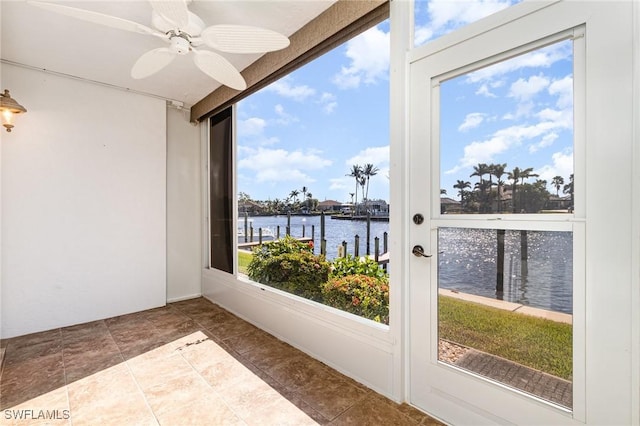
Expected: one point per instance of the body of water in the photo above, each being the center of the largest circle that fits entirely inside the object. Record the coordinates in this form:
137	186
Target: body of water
467	260
336	231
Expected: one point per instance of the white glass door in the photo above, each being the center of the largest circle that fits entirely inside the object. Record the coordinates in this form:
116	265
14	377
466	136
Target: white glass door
496	280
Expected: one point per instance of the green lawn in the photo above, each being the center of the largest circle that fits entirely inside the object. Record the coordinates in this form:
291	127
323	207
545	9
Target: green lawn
244	258
538	343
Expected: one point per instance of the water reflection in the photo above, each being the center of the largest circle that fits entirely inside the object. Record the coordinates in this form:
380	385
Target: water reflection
537	269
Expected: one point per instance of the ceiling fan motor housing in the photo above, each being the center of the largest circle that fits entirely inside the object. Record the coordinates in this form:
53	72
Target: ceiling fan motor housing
193	28
180	45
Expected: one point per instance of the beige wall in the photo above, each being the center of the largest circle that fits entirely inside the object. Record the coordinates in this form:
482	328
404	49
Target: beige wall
184	222
83	203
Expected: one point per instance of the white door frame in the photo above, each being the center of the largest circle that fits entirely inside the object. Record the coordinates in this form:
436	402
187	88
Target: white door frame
603	322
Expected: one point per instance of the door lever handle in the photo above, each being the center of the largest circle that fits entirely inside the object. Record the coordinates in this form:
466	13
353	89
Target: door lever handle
418	251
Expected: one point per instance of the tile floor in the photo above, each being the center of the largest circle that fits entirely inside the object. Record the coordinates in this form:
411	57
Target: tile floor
190	362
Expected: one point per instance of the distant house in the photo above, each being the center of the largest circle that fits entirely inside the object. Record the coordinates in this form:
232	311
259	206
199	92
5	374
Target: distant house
330	206
558	203
449	205
250	207
378	207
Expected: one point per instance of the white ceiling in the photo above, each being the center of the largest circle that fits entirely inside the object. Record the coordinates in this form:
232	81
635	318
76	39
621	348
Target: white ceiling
39	38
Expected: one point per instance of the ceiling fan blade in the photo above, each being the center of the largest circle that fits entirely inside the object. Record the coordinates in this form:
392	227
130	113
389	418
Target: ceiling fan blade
243	39
97	18
218	68
174	11
152	62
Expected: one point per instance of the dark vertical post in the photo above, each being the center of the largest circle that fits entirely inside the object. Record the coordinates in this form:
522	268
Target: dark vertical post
500	264
251	233
246	229
368	233
303	230
385	242
356	246
344	249
288	223
323	246
260	235
322	226
376	244
524	254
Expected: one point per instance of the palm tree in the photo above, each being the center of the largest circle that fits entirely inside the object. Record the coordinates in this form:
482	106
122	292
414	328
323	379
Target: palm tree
461	185
356	172
480	170
515	176
363	181
369	171
526	174
498	170
557	181
304	192
293	195
483	186
568	188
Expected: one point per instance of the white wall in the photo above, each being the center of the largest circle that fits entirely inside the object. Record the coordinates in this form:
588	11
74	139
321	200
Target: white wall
83	203
184	221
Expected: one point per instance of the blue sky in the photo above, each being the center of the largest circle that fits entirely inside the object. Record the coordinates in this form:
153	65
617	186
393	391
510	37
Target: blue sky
310	127
518	112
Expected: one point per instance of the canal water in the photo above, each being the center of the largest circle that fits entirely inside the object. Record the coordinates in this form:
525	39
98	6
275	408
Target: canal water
467	258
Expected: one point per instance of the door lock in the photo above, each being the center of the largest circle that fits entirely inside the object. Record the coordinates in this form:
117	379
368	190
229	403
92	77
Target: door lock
418	251
418	219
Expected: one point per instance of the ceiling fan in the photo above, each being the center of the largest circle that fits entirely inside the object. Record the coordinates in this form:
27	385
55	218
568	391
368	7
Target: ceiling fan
185	32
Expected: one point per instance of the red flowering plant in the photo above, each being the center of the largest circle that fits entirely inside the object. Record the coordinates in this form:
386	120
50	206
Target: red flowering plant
359	294
359	286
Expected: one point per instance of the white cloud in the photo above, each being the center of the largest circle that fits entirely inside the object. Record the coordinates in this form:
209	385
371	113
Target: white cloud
378	156
484	91
472	121
562	165
251	126
341	183
284	118
547	140
328	101
447	13
422	34
563	88
279	165
369	60
541	58
563	119
285	88
523	89
485	151
443	16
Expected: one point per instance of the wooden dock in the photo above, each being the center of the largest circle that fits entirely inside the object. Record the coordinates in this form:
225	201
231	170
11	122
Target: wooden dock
249	245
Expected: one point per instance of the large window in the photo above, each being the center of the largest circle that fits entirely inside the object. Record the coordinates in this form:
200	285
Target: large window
313	166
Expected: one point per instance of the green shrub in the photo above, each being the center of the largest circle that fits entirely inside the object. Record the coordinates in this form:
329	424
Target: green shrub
359	294
290	265
349	265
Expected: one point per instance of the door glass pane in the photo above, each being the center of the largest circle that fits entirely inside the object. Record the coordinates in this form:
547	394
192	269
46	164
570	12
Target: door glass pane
505	307
506	136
